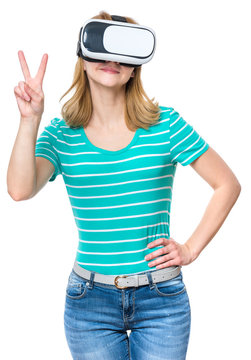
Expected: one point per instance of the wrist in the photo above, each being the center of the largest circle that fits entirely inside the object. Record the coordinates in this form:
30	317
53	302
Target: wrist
31	118
30	122
192	251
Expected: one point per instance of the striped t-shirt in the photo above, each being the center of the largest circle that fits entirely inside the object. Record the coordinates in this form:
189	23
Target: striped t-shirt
121	200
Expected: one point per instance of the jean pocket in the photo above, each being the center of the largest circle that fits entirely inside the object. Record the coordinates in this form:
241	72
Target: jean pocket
172	287
76	287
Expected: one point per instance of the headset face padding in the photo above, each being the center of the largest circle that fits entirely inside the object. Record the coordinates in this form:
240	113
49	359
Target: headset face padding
103	61
108	40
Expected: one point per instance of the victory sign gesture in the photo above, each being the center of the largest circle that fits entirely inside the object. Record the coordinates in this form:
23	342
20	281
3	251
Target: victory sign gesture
29	93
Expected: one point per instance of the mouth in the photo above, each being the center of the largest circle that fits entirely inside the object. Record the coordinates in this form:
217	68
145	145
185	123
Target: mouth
110	70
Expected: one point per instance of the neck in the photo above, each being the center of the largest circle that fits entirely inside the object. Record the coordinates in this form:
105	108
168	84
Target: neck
108	107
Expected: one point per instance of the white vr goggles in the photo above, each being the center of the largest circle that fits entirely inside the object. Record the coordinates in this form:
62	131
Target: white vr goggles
116	40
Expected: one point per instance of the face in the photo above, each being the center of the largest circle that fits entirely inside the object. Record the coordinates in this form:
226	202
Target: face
109	73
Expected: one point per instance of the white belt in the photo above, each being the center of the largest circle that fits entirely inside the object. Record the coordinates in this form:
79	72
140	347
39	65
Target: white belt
125	281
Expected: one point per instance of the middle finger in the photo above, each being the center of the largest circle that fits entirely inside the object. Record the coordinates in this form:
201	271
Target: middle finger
42	68
166	249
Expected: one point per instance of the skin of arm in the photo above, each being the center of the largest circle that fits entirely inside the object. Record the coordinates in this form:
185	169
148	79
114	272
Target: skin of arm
212	168
21	174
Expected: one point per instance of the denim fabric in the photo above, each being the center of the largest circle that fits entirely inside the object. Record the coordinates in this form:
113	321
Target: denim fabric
97	317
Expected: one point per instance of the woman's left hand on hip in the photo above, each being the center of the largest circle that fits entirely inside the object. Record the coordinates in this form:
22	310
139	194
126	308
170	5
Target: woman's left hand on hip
171	254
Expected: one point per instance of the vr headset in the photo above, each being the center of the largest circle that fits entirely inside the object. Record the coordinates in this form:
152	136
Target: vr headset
116	40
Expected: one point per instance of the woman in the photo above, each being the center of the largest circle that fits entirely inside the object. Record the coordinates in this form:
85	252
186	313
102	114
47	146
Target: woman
117	152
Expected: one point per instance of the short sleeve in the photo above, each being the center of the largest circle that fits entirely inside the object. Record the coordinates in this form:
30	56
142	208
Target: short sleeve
186	144
45	146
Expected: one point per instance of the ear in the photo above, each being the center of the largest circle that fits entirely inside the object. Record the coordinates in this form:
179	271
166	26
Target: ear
132	74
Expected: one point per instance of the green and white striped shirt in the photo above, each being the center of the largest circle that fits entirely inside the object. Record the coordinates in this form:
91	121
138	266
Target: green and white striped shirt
121	200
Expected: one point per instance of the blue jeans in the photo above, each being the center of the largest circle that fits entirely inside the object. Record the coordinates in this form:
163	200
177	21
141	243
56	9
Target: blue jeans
97	317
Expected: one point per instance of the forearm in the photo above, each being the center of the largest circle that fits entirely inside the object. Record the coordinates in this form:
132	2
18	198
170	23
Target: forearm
214	216
21	174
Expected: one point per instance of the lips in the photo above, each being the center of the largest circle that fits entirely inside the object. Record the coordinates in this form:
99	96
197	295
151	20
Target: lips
110	70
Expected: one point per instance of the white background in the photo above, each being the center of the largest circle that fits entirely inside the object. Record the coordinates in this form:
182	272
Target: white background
201	68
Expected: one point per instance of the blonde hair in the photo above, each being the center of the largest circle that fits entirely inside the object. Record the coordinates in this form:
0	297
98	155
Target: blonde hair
140	111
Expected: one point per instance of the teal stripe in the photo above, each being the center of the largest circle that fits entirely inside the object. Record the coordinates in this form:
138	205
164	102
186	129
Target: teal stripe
121	200
186	143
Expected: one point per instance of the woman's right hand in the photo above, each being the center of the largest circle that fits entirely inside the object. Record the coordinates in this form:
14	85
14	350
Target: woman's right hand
29	93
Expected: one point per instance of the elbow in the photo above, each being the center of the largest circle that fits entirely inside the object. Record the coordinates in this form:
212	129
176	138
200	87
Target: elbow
232	184
19	193
238	189
231	188
234	188
17	196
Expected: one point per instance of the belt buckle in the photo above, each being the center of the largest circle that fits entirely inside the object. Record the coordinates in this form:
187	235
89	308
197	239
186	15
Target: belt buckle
116	282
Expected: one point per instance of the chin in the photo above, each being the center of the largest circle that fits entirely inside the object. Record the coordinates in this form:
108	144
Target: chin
107	81
110	84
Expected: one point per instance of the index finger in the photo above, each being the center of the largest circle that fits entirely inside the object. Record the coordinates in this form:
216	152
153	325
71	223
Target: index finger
42	68
24	65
